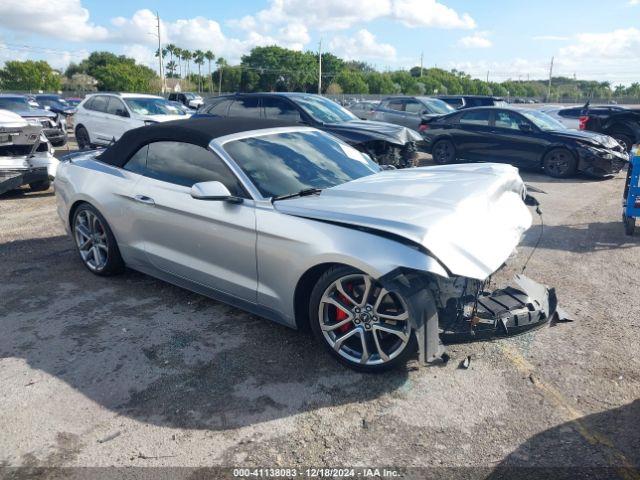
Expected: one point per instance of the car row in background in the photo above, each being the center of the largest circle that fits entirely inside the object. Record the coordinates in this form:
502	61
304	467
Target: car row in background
386	143
103	118
53	124
409	111
522	137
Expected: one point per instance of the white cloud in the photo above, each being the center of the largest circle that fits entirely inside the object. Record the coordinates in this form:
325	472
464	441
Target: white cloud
362	45
634	2
331	15
550	38
477	40
430	13
621	44
65	19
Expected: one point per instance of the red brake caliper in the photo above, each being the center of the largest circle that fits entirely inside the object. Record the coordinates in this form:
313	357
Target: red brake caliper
341	315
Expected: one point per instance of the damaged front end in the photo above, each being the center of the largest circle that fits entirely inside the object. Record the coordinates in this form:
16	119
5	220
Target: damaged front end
451	310
25	156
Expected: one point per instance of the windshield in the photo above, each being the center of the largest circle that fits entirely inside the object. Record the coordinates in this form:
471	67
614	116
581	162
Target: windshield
542	120
285	163
15	104
323	110
438	106
151	106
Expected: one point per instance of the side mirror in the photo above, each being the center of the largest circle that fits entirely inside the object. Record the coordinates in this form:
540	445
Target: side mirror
213	190
122	113
525	127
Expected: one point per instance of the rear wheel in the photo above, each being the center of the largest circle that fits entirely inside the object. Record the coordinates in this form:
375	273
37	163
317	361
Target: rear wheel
623	140
40	186
443	152
95	242
82	137
559	163
359	322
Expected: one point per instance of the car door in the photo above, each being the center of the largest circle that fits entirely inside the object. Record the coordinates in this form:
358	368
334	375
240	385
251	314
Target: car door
245	107
92	117
472	136
413	113
274	108
517	140
391	111
100	120
211	243
117	118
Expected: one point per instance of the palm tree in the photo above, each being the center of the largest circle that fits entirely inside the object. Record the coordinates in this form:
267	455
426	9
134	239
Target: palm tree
171	68
198	59
178	53
221	63
187	56
209	56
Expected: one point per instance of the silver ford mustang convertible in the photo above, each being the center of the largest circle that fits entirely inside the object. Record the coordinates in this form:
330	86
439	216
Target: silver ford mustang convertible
292	224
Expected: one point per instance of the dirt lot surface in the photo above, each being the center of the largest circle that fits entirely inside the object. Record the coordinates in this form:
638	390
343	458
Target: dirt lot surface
131	371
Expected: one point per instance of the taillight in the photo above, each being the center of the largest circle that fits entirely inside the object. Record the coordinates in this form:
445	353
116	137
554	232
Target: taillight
423	127
583	122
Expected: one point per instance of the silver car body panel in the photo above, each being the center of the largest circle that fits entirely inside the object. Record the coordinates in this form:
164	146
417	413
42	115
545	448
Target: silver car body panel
462	220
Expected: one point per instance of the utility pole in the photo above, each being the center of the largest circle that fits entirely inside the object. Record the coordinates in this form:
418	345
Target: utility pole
162	85
487	76
421	59
550	75
320	67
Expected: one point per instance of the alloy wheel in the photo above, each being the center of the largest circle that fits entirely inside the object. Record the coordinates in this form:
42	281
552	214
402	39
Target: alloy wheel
363	322
443	152
558	163
91	239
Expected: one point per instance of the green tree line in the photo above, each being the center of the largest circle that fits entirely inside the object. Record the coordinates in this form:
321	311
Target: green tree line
275	68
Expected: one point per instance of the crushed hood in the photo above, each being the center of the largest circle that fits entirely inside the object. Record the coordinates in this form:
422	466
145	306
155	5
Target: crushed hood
389	132
586	136
470	217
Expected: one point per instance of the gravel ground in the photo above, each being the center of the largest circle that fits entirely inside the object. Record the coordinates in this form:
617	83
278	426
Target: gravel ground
131	371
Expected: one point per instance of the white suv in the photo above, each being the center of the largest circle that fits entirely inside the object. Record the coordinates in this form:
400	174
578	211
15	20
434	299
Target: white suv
103	117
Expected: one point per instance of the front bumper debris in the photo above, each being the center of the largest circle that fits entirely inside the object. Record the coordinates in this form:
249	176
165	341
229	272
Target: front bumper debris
503	312
600	165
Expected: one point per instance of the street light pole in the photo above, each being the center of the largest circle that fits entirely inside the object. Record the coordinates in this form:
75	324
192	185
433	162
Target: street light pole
162	85
320	67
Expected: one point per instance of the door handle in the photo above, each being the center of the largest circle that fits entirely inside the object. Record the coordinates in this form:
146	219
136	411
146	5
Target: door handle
144	199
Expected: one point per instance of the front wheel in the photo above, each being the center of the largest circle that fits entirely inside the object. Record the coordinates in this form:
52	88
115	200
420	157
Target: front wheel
443	152
95	242
82	137
559	163
359	322
629	224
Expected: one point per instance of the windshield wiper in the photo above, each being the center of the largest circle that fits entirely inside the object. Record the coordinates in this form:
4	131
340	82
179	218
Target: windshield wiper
302	193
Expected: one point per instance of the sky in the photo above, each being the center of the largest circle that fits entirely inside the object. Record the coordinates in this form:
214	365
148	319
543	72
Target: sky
501	39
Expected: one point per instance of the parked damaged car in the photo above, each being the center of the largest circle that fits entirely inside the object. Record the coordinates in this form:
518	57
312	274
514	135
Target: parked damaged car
53	125
385	143
26	157
295	225
522	137
620	123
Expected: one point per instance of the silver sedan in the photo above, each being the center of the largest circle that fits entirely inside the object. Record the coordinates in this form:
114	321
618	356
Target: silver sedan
294	225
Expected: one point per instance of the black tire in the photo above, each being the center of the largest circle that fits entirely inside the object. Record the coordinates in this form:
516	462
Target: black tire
41	186
629	225
82	137
113	264
333	274
443	152
624	140
559	163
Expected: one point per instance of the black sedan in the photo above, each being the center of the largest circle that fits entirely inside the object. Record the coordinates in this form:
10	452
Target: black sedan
386	143
521	137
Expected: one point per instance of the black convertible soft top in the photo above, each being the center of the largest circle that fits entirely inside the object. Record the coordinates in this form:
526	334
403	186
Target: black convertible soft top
198	131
